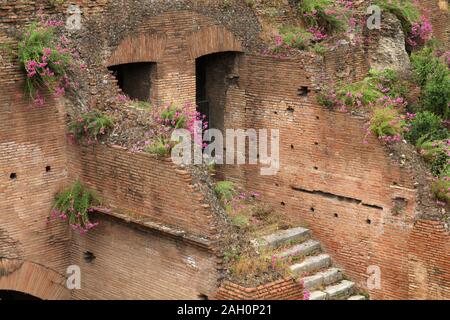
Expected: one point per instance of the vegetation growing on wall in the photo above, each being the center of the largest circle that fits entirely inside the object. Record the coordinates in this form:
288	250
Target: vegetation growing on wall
46	59
396	114
90	126
74	204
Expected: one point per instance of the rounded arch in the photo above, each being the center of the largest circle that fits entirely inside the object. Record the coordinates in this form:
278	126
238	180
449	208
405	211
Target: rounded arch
139	48
34	280
212	39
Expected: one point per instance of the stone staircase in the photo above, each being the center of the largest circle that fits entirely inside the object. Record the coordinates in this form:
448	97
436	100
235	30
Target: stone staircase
308	264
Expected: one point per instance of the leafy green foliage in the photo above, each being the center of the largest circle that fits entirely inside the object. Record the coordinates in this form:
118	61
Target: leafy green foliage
386	122
440	189
295	37
45	59
90	126
433	76
160	146
225	190
437	153
426	126
316	13
404	10
74	204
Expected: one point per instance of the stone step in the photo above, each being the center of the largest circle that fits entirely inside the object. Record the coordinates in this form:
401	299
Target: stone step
300	250
283	237
321	279
339	291
311	264
357	298
318	295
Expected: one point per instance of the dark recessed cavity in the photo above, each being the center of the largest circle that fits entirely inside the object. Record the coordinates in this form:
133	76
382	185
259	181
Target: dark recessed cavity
336	215
368	221
48	169
13	176
303	91
89	257
312	209
283	204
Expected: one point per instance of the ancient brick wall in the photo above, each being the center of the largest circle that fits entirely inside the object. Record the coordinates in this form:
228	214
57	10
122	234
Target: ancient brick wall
360	203
283	289
32	169
133	262
143	185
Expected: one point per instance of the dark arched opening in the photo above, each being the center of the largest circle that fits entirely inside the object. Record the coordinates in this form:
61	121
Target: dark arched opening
135	79
7	295
215	73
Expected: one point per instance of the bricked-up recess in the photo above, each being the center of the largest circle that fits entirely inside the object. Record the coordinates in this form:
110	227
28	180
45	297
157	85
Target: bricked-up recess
159	238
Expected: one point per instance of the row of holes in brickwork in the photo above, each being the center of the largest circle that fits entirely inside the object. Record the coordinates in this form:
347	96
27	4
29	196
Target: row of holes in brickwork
13	176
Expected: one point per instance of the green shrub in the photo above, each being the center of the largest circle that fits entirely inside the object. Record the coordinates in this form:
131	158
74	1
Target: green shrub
440	189
426	125
294	37
435	95
74	204
386	124
437	154
433	76
424	62
314	13
241	221
45	60
404	10
90	126
160	146
225	190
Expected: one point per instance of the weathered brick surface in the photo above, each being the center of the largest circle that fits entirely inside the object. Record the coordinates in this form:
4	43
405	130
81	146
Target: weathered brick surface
31	139
284	289
344	189
133	262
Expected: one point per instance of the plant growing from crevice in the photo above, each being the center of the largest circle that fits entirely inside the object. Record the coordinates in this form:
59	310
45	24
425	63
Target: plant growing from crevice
46	59
167	119
426	126
386	124
90	126
74	204
322	15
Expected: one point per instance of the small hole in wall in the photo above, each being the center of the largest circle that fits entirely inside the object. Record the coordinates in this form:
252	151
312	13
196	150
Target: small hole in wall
290	109
277	184
317	117
292	147
316	143
303	91
13	176
368	221
89	257
283	204
336	215
275	112
203	297
316	168
312	209
48	169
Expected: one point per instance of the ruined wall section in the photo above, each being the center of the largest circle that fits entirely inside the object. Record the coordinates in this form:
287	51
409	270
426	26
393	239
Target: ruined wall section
134	262
359	201
33	167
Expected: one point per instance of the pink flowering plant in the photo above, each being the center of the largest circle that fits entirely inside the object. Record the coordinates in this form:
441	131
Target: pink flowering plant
90	126
45	58
324	15
168	118
74	204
